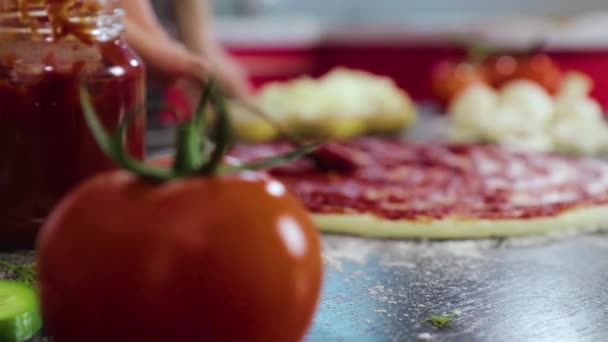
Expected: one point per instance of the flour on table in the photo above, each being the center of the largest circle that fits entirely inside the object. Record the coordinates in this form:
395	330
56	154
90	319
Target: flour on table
424	337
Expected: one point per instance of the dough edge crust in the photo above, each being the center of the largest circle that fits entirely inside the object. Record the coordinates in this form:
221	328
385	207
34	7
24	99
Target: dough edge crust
591	218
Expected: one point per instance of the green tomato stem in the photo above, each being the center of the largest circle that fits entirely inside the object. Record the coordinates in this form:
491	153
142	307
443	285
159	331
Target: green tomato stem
189	156
269	163
222	135
191	145
192	158
113	146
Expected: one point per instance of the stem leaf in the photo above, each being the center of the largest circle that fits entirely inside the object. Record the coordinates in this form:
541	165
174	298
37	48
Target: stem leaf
113	145
269	163
222	133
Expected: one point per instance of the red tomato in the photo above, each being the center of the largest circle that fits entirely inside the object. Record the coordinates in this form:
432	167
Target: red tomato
450	78
538	68
541	69
501	70
201	259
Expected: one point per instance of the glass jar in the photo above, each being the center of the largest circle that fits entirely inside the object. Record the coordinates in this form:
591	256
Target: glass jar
46	47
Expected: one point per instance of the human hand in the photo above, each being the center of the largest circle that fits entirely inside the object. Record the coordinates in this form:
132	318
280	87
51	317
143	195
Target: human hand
184	66
166	59
229	73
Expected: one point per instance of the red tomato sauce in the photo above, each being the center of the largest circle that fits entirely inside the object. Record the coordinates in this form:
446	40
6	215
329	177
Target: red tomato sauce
46	147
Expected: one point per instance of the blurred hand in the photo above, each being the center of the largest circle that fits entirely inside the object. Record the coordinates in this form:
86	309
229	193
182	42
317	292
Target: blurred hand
171	61
166	59
231	75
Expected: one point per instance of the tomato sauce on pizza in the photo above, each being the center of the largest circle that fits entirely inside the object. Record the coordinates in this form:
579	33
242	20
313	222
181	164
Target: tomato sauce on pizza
397	180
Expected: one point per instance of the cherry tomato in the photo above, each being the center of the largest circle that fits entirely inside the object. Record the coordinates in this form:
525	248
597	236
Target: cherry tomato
539	68
501	70
200	259
450	78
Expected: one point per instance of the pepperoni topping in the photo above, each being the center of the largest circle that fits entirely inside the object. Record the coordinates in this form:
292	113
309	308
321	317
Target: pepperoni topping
398	180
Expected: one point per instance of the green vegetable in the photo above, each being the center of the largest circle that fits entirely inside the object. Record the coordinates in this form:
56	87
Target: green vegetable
19	314
23	273
439	322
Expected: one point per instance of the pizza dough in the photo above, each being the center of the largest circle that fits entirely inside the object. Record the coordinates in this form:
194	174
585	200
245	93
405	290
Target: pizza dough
392	189
583	219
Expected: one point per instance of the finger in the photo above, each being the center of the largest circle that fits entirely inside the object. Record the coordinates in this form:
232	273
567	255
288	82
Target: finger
165	56
234	82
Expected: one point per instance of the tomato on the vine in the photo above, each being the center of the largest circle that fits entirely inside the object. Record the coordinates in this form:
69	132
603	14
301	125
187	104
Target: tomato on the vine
541	69
450	78
501	69
199	252
538	68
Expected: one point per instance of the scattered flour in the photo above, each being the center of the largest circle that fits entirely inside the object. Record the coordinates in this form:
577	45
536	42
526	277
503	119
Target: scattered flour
538	240
338	250
400	254
424	337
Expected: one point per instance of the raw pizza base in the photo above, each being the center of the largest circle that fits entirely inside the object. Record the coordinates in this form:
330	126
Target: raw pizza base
393	189
580	219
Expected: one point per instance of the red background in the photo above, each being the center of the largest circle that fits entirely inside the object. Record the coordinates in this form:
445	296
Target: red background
409	65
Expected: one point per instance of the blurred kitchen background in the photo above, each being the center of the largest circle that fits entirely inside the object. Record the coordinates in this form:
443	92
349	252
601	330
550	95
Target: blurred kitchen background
406	40
369	10
280	39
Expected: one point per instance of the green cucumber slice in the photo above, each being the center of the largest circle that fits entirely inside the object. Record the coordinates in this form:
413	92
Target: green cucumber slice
19	313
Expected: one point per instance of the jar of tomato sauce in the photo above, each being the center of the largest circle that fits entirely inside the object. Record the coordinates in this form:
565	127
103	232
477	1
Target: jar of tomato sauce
47	47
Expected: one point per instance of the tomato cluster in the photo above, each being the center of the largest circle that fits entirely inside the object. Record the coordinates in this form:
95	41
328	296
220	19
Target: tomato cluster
450	77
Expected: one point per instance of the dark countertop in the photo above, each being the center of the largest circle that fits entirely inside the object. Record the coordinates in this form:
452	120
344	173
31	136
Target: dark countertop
520	289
